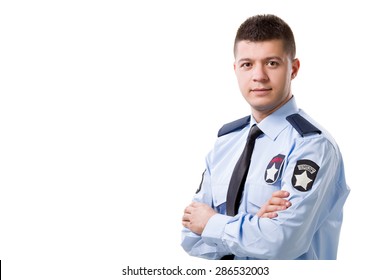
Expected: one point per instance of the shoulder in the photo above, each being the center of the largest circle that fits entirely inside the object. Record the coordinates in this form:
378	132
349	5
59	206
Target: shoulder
302	125
234	126
308	129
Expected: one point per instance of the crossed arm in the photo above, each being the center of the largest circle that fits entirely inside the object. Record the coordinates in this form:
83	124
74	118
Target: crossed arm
197	214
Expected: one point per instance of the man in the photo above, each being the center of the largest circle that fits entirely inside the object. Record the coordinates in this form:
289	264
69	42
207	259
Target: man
288	204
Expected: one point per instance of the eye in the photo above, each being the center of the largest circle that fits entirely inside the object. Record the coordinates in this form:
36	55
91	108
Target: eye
246	65
273	63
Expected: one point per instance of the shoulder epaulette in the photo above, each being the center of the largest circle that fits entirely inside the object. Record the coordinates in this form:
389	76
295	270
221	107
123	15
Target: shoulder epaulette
303	126
233	126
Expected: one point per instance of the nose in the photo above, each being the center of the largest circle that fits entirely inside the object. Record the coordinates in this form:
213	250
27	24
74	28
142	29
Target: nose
259	74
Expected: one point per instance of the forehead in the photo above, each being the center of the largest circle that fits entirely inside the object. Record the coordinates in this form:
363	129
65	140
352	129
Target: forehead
259	50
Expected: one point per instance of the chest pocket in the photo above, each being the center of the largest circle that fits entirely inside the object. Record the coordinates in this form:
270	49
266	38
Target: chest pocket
219	198
257	195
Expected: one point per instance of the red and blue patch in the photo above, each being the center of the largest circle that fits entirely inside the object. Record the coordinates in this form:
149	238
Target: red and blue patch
274	168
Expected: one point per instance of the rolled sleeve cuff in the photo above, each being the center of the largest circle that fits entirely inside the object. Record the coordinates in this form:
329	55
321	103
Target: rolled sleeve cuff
214	230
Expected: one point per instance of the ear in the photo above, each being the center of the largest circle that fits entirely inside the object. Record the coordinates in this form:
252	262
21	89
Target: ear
234	66
295	68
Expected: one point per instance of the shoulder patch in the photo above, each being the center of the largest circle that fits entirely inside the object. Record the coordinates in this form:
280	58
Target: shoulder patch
233	126
303	126
305	172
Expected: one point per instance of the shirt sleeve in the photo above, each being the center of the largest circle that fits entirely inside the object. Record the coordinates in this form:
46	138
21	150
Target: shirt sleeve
314	176
193	243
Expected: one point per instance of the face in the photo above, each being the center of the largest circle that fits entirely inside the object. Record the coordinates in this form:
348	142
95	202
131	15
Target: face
264	73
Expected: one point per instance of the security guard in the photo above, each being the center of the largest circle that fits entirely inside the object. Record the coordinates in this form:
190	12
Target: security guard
291	152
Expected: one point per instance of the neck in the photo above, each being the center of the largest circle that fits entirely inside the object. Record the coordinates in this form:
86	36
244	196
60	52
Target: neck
261	115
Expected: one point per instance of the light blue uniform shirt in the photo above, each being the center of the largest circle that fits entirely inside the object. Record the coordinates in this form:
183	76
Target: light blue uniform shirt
309	167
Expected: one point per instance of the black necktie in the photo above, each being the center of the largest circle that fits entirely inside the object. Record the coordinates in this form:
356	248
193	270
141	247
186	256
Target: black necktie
237	182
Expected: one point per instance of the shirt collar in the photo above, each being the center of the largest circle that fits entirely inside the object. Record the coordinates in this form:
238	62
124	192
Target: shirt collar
273	124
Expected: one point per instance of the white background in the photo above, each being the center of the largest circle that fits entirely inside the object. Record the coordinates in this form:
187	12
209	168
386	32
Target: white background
108	108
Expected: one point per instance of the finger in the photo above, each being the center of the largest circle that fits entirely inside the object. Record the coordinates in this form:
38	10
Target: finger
261	212
279	201
188	209
273	208
281	194
186	218
269	215
266	209
185	224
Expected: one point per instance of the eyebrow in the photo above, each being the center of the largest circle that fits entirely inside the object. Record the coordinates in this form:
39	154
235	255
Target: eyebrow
266	58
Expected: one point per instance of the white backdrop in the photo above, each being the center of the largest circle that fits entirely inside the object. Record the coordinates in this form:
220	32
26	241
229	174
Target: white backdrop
108	108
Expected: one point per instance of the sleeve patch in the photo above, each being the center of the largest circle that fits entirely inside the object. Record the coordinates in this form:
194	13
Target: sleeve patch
305	173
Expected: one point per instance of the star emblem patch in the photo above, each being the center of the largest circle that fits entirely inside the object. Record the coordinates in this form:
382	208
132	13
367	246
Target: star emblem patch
305	172
273	169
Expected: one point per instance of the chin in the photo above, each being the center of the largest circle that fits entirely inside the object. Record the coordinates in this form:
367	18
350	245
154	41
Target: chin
263	107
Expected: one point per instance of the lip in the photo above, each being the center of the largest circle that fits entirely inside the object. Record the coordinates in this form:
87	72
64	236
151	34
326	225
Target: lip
261	91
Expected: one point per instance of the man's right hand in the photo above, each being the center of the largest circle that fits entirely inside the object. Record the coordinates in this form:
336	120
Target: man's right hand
276	203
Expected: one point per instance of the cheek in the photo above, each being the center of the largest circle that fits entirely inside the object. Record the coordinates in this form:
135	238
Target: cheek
242	80
243	88
282	80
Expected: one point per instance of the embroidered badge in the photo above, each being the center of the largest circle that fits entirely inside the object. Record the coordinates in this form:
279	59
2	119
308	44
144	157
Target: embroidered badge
274	168
305	172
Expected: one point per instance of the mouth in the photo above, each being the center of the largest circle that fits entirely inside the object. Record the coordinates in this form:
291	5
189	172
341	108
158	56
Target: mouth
261	91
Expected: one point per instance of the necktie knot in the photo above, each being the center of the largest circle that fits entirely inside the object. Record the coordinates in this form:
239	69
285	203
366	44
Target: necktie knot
254	133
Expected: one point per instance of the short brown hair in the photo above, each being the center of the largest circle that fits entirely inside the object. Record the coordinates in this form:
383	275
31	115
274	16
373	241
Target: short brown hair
264	28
